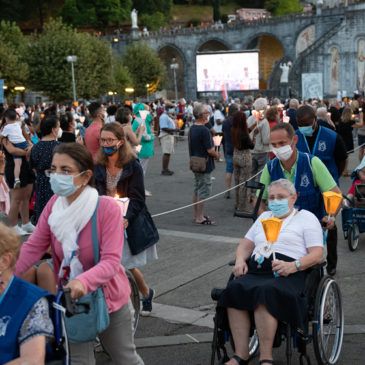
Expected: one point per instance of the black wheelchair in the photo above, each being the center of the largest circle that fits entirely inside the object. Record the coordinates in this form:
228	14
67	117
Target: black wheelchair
325	324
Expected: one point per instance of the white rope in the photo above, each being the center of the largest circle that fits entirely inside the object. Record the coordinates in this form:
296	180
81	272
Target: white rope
204	200
356	148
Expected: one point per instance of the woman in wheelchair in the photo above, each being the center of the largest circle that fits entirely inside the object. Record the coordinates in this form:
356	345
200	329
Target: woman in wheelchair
24	314
268	290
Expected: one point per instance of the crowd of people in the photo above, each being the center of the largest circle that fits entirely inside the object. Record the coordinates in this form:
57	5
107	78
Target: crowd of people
70	163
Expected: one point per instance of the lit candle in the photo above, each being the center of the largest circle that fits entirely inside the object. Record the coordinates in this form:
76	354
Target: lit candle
217	140
123	203
138	148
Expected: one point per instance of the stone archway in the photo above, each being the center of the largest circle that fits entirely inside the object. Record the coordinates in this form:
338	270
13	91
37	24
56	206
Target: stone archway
171	56
270	51
213	45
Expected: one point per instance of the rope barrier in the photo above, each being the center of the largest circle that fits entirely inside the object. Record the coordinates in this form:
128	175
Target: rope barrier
225	191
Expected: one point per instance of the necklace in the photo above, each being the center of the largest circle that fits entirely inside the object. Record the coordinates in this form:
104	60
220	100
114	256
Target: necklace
112	178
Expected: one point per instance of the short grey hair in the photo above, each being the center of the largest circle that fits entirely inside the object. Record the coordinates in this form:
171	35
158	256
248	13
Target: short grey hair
233	108
260	104
284	183
293	104
198	110
322	113
276	101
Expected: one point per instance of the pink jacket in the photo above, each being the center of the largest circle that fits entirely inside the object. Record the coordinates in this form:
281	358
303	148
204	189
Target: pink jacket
4	198
108	272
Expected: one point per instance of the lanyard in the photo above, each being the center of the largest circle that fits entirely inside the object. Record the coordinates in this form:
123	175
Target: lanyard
6	289
315	143
287	220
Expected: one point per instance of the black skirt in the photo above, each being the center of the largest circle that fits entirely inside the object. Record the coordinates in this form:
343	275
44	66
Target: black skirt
282	296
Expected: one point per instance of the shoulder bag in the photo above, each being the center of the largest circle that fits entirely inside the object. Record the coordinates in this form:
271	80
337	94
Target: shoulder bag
197	164
86	326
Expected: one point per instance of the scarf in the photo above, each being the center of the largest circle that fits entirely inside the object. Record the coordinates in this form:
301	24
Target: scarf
66	222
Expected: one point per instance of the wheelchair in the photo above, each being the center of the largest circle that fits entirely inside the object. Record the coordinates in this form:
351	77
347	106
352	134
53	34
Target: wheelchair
325	324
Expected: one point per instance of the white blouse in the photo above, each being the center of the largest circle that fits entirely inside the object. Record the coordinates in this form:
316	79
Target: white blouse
303	231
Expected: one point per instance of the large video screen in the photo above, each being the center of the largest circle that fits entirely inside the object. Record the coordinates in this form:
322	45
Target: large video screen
227	71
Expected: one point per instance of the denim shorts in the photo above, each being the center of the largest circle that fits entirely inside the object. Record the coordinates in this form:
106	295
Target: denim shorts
202	185
21	145
229	163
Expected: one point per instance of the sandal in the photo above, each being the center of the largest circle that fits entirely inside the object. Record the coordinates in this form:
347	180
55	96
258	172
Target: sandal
266	361
239	360
206	222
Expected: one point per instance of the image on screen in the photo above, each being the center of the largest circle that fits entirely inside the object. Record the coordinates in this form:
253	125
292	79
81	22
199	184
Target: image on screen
227	71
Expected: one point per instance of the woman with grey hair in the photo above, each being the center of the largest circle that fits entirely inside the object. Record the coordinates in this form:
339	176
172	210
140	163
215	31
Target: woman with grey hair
271	289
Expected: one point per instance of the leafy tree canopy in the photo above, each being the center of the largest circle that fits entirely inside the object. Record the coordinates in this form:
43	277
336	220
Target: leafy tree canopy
153	6
51	73
153	21
95	13
282	7
145	67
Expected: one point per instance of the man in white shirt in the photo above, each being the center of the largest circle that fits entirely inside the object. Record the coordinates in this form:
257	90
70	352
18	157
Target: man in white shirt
218	123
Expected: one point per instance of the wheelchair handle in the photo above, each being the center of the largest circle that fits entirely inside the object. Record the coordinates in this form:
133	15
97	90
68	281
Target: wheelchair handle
73	307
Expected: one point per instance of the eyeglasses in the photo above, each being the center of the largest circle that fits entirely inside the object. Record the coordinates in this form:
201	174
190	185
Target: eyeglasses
108	140
51	172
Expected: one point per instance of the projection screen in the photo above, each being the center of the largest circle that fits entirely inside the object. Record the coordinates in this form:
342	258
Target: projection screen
227	70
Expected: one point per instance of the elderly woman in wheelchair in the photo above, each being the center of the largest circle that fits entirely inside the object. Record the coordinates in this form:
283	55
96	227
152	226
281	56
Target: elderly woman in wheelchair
269	290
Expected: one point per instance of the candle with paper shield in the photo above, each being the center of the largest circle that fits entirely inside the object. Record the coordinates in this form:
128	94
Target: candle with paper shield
272	228
286	119
143	114
332	201
123	203
138	148
180	123
217	140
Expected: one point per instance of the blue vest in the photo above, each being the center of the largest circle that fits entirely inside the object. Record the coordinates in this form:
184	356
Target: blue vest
309	196
324	148
18	301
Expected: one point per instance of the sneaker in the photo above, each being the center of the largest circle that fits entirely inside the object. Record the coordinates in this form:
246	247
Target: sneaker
19	231
29	228
167	172
147	303
16	184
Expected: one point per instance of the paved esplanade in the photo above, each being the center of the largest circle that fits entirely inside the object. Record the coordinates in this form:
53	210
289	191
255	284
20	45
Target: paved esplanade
193	259
310	41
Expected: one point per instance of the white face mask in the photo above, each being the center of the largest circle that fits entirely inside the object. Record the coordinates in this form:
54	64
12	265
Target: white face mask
59	133
283	153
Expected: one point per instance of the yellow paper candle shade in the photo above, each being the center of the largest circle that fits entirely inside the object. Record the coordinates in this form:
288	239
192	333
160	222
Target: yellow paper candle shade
180	123
332	201
271	228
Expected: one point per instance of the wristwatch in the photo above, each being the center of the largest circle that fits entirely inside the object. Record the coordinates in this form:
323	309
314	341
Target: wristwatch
298	265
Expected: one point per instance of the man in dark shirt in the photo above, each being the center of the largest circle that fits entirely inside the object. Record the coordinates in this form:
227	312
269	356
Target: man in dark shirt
291	112
201	145
228	146
331	149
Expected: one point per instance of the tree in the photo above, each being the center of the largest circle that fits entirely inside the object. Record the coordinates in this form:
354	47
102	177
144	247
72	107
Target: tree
121	78
13	68
95	13
144	66
152	6
51	73
153	21
282	7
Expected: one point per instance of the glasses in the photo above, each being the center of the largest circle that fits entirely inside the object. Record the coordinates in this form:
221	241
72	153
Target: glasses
51	172
108	140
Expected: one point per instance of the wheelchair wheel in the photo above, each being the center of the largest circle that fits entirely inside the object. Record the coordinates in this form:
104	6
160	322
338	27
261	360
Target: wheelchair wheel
328	322
135	298
253	345
353	235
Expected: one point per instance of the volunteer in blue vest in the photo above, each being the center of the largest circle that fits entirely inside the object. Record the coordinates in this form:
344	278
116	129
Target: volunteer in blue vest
330	148
308	173
24	313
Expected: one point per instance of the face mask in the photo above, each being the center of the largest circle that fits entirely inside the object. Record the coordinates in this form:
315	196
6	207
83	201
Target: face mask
247	112
279	207
63	185
59	133
307	131
111	150
283	153
171	111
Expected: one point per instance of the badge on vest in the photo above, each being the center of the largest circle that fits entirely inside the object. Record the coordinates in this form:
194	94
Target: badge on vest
4	321
322	146
304	181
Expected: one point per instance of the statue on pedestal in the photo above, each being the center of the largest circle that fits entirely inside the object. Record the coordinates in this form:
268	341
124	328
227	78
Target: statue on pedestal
134	14
285	67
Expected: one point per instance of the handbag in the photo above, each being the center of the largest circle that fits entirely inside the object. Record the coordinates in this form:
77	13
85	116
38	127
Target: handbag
86	326
197	163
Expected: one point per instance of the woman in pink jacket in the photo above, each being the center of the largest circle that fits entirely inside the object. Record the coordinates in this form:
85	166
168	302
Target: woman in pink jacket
65	224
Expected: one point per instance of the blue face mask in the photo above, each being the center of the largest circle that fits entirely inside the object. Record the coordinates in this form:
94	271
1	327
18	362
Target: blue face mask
307	131
109	151
279	207
247	112
63	185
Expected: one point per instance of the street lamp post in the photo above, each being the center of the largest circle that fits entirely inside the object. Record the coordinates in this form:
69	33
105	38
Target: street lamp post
174	66
72	60
147	86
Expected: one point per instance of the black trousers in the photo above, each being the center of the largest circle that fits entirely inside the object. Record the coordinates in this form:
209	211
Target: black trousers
332	248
